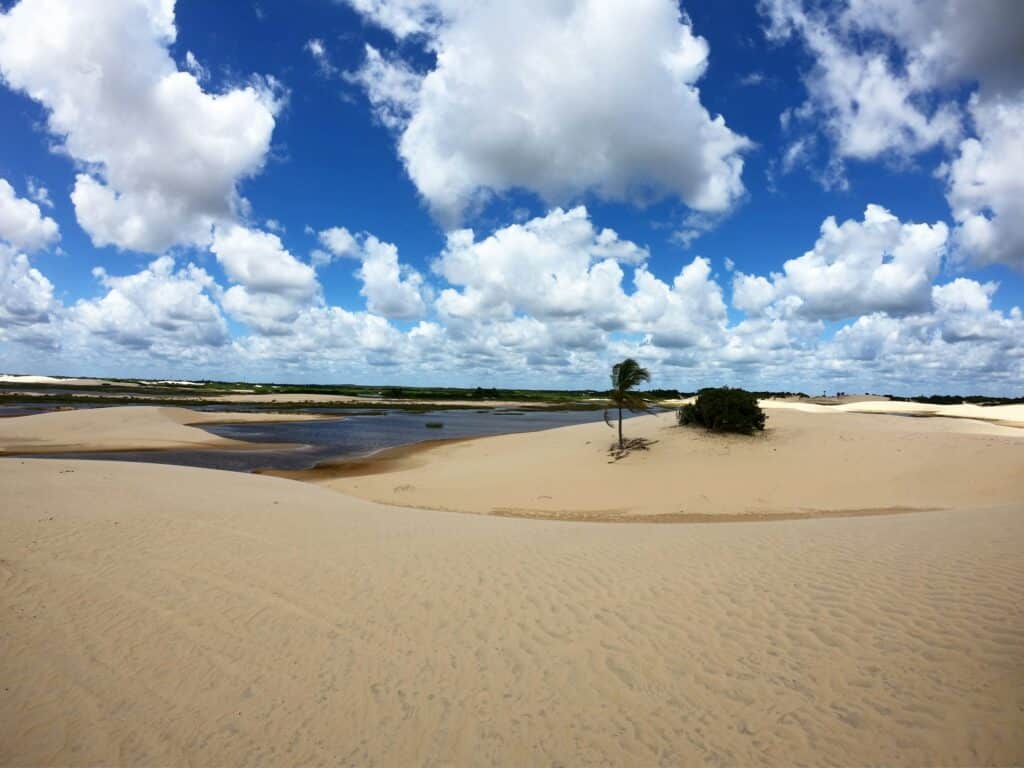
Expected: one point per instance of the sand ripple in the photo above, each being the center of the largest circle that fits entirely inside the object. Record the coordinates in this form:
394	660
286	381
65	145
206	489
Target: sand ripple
207	618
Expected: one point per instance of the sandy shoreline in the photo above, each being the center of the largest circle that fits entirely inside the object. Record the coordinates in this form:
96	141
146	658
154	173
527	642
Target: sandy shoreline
812	461
131	428
169	615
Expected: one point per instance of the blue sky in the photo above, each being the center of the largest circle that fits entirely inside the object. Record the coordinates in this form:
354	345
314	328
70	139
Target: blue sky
277	190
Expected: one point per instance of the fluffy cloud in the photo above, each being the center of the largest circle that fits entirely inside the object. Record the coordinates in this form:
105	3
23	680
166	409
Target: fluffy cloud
28	309
259	261
27	305
986	184
391	289
869	108
490	327
964	344
556	266
339	243
551	293
689	313
271	286
22	224
884	80
163	157
556	98
965	310
329	338
392	87
948	41
164	311
879	264
405	17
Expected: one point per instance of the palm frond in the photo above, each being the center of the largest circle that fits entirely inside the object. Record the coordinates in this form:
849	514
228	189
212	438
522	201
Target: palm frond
628	374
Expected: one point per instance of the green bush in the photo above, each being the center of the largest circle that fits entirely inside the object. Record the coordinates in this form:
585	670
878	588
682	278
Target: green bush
723	409
688	415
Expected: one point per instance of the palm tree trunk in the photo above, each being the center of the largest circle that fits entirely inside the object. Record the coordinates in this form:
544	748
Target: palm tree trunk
620	428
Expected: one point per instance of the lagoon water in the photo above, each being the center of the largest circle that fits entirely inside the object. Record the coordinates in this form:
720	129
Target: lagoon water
355	433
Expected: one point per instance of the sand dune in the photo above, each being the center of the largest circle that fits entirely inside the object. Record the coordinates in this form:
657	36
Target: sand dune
164	615
19	379
826	462
1012	415
125	428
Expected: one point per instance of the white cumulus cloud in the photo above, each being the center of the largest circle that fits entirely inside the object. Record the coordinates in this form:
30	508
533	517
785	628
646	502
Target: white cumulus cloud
556	266
556	98
27	304
879	264
161	310
162	158
22	224
986	183
391	289
869	106
271	285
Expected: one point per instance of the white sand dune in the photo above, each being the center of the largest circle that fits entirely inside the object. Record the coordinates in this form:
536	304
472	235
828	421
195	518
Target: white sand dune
154	615
7	378
125	428
1000	414
825	462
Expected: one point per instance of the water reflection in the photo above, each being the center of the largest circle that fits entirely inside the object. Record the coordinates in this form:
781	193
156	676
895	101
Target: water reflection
360	432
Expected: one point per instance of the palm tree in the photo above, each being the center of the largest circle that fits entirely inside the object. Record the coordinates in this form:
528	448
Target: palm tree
625	376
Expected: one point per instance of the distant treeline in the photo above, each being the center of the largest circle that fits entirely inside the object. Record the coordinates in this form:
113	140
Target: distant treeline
130	387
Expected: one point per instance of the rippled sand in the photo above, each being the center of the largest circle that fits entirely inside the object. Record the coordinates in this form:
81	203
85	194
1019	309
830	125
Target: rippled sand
165	615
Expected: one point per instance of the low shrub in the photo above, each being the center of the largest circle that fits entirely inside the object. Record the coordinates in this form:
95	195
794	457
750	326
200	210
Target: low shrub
723	409
688	415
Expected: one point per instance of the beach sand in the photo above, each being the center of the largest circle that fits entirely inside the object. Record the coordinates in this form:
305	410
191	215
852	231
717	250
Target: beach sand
158	615
127	428
1009	415
805	464
168	615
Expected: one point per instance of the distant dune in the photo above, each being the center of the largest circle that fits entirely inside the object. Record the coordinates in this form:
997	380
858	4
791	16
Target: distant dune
1012	415
7	378
824	462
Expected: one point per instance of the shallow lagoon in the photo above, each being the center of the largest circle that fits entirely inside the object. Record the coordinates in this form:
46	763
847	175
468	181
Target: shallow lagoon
355	433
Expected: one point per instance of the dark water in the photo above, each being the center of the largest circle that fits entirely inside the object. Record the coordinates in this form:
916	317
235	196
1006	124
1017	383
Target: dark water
356	434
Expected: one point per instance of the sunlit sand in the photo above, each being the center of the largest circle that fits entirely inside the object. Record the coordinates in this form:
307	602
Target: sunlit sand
169	615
